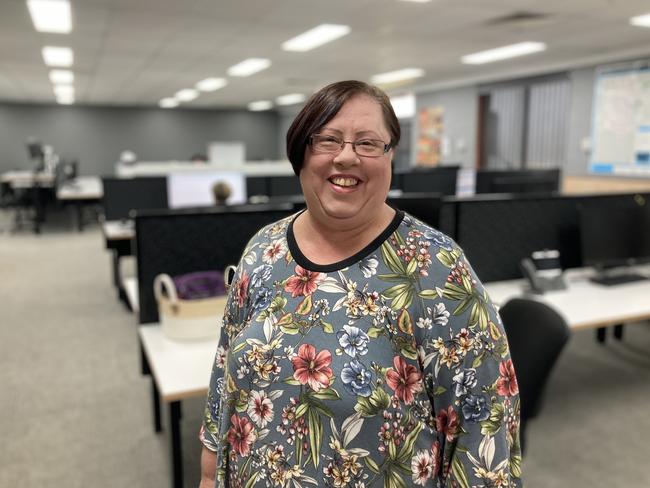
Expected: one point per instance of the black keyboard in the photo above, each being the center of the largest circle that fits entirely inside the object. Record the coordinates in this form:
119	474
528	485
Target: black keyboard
621	279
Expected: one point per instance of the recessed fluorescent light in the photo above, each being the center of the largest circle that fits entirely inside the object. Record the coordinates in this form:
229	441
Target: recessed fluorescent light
505	52
260	105
186	95
404	106
211	84
65	99
315	37
249	66
63	90
51	15
290	99
62	57
641	20
417	1
168	103
399	75
61	76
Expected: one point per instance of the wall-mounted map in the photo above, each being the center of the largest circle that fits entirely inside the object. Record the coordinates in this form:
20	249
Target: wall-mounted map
621	122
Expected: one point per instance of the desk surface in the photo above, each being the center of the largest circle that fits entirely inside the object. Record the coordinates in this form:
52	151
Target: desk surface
130	286
117	230
585	304
81	188
26	179
181	369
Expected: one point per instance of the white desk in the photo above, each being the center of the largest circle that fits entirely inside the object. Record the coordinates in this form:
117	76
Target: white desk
179	370
118	230
130	286
81	188
118	236
84	190
28	179
584	304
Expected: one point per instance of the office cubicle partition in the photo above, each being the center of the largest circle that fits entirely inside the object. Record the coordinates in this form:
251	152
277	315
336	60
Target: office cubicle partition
440	179
423	206
123	195
518	181
183	241
497	232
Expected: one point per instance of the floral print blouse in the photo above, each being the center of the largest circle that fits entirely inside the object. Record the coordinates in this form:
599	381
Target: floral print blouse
390	368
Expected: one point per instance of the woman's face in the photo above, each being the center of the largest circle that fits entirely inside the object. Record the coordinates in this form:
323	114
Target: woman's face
344	185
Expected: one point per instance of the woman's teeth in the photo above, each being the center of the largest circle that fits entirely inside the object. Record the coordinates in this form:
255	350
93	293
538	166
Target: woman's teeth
340	181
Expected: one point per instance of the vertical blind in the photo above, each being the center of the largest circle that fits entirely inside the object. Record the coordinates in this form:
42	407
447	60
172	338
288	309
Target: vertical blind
527	125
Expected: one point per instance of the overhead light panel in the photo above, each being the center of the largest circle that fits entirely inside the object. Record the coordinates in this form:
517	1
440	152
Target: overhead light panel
211	84
61	77
61	57
63	90
260	105
51	15
641	20
249	67
395	76
65	99
417	1
403	106
290	99
168	103
505	52
316	37
186	95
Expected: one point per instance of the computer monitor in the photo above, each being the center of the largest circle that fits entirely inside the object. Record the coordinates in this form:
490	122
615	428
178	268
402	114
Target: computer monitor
124	195
441	179
194	189
422	206
518	181
615	235
284	185
35	150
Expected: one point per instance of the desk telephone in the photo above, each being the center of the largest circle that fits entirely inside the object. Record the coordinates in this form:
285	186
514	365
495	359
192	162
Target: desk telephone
543	271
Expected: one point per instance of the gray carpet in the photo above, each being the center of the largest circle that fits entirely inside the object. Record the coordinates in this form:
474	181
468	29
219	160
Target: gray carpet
76	411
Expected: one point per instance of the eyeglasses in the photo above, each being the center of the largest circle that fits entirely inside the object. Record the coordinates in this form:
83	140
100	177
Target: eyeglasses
369	148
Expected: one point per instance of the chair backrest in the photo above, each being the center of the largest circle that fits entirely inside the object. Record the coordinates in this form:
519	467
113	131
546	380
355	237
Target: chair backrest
536	335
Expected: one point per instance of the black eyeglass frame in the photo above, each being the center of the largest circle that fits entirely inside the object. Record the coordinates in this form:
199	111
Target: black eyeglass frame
387	147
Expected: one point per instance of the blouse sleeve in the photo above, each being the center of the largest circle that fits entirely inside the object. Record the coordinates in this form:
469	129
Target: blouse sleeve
471	382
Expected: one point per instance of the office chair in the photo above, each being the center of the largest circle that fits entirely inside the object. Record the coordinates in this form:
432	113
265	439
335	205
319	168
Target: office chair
536	335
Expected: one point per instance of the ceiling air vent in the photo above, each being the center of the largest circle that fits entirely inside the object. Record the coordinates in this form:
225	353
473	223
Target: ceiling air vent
522	17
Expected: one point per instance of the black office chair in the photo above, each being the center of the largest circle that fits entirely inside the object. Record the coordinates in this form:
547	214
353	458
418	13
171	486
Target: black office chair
536	335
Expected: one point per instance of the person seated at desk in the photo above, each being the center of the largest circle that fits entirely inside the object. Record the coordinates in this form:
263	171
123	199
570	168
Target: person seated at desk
358	346
221	191
199	158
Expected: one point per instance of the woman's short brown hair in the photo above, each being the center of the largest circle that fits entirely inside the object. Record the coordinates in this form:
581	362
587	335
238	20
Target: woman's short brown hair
323	106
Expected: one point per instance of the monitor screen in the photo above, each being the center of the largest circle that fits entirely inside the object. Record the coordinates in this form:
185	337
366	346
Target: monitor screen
122	195
284	185
518	181
194	189
441	179
614	235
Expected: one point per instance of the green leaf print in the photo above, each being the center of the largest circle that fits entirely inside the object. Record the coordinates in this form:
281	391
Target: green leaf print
396	290
391	259
429	294
447	258
398	278
315	436
459	473
372	465
406	450
454	292
376	403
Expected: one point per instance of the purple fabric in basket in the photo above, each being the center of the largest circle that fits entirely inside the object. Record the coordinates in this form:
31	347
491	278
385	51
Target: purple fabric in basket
201	284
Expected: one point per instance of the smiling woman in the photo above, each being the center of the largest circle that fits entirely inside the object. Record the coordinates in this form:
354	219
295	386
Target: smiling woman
358	346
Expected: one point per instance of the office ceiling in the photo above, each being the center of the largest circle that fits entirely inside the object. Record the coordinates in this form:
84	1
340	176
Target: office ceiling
136	52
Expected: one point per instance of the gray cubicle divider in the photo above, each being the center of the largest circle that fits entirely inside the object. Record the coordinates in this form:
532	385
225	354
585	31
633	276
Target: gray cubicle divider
439	179
123	195
183	241
497	232
423	206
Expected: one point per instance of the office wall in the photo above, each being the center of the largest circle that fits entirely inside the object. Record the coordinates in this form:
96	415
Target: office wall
97	135
459	119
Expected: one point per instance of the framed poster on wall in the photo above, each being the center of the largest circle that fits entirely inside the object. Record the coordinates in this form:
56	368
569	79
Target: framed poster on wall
429	141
